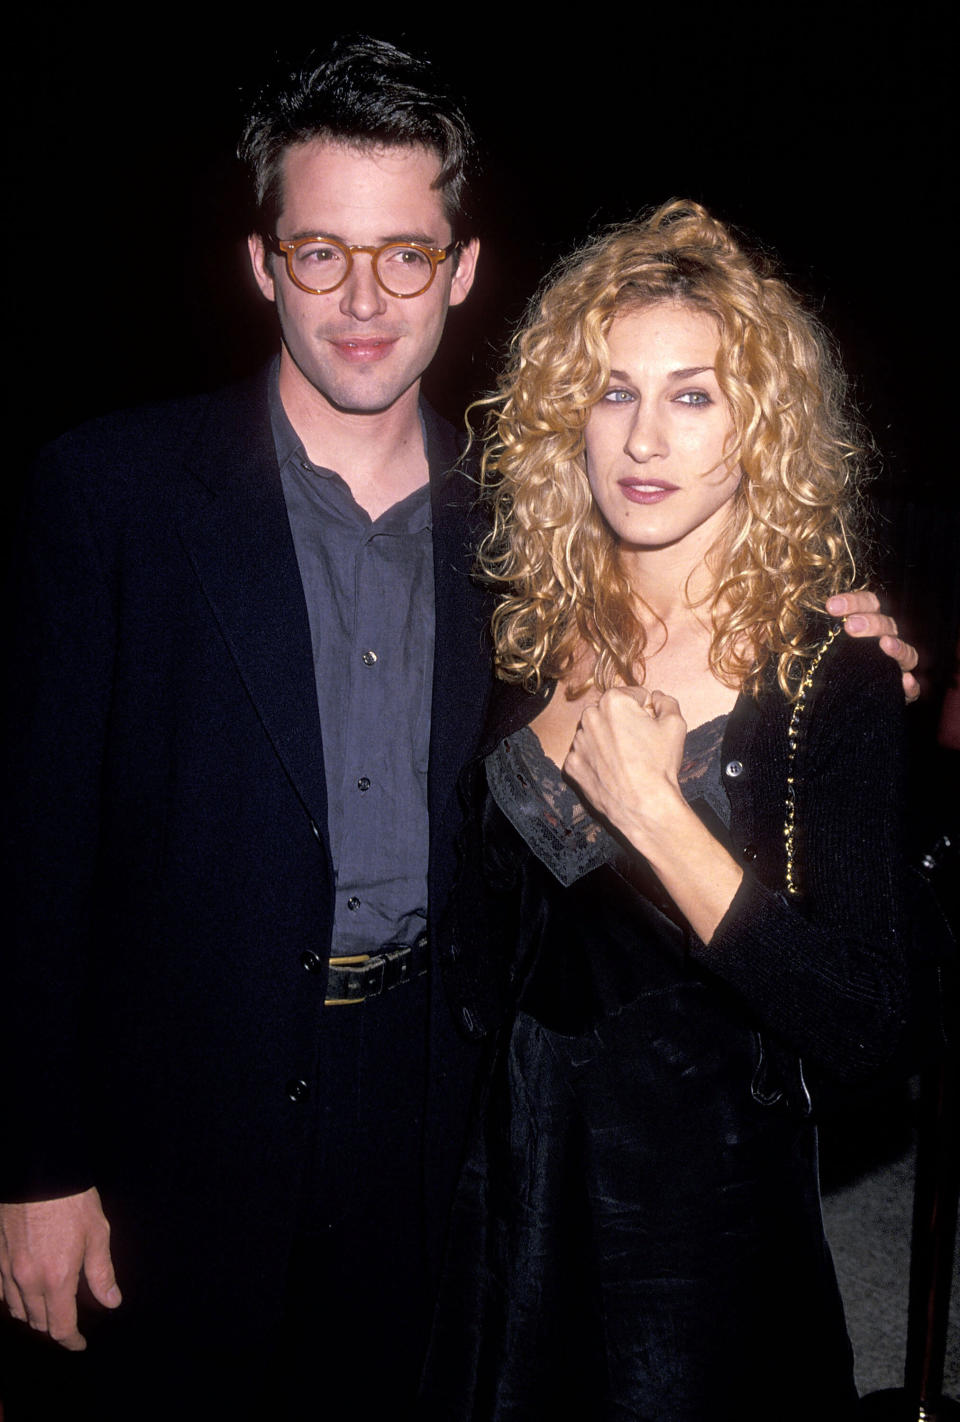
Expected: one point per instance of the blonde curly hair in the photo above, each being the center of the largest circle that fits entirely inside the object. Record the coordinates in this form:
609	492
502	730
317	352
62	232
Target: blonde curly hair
788	544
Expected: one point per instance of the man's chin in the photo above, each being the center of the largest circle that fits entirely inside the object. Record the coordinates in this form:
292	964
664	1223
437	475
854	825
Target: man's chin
363	394
371	404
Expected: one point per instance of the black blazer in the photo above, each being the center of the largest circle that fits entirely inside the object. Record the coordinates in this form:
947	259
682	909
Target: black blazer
166	849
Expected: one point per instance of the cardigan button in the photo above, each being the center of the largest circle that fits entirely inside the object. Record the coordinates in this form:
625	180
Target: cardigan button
733	768
298	1090
311	961
749	852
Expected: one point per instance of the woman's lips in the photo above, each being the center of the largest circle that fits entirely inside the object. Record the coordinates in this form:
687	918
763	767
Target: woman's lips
647	491
363	349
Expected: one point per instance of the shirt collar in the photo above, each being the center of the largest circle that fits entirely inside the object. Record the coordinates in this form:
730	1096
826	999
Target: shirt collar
285	438
411	513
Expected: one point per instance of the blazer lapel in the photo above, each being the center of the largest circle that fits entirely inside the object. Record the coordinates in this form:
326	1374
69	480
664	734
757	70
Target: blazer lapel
240	544
462	663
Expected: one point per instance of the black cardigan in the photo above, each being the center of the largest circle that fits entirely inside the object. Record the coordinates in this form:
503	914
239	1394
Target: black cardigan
826	973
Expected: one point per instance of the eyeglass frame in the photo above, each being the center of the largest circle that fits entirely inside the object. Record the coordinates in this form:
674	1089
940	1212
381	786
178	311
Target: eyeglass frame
287	248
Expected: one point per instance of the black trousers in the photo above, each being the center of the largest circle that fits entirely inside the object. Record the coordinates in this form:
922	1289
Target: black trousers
358	1294
350	1344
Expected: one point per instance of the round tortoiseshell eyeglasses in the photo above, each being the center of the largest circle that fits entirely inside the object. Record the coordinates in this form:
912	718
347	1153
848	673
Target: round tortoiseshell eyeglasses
321	264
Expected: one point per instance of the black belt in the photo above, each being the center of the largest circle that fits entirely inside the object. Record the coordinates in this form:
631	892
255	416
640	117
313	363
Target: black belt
351	979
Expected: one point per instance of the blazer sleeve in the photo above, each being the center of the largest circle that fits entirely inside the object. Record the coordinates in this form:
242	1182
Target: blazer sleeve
60	654
827	971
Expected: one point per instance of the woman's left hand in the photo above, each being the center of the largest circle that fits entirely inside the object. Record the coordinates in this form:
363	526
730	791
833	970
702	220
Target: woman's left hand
625	758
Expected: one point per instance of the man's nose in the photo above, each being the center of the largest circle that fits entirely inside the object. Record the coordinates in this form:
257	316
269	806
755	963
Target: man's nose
362	296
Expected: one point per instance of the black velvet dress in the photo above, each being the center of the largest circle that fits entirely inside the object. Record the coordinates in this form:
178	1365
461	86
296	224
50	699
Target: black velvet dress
638	1231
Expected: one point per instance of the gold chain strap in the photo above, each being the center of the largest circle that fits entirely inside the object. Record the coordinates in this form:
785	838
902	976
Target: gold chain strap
793	734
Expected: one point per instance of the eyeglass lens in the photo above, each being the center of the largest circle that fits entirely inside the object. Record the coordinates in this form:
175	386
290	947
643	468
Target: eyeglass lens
403	271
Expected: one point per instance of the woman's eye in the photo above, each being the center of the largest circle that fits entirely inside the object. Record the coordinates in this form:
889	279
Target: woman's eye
618	397
695	398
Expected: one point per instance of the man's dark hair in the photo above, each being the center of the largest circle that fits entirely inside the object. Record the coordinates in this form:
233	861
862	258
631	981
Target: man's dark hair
363	92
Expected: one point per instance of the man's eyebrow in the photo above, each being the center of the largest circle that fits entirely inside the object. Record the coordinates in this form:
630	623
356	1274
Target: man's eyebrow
423	239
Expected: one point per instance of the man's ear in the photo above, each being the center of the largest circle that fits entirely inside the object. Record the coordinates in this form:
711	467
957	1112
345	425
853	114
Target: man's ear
466	271
260	261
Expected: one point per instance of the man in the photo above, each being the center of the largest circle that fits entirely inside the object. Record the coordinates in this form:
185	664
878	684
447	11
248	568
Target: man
235	1092
194	579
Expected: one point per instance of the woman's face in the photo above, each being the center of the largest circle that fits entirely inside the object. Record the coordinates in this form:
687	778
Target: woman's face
655	441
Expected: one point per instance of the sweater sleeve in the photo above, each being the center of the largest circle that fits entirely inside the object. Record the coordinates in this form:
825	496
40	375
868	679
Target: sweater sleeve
825	970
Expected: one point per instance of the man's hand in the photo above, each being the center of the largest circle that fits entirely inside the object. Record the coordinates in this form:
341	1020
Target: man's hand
862	618
44	1247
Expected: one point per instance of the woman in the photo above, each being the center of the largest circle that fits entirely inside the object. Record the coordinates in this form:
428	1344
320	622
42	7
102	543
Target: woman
681	858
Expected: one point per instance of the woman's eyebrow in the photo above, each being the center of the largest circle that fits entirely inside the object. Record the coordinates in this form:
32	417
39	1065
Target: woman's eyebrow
684	374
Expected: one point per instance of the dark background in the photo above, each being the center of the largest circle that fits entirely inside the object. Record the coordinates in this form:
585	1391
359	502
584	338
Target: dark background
819	133
822	133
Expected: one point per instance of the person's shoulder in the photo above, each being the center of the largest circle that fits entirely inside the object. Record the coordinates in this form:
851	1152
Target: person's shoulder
439	429
456	493
853	698
512	707
451	454
857	667
848	679
153	431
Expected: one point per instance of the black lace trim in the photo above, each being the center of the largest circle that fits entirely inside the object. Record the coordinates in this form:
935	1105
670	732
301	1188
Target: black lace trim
549	815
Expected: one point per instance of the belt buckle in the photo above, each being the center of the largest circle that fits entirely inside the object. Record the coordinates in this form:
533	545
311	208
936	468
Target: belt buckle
356	961
376	973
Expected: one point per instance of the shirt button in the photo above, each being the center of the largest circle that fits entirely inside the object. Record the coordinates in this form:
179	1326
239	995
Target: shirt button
369	658
298	1090
363	783
311	961
353	904
733	768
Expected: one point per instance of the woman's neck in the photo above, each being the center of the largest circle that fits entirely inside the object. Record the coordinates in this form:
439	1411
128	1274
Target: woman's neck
675	603
673	589
672	582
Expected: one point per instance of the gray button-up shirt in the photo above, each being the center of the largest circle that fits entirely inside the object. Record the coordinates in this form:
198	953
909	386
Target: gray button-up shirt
370	601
